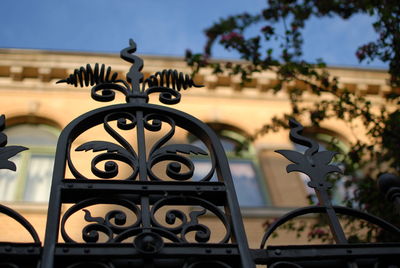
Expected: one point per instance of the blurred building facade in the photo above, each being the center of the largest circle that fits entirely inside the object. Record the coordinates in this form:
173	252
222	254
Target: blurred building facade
37	109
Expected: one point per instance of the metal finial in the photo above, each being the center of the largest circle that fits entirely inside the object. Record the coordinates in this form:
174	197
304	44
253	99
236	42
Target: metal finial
167	82
316	165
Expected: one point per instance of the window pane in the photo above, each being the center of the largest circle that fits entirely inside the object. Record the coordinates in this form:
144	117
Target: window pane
34	170
9	181
244	175
39	178
31	135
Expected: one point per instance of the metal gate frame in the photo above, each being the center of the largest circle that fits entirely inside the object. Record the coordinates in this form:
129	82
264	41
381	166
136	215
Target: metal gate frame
144	192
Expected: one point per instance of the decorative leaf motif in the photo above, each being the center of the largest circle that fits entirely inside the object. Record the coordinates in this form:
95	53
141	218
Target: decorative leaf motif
293	156
98	146
323	158
181	148
9	151
294	167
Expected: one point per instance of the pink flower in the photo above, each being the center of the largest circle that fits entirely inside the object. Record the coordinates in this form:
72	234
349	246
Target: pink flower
231	36
267	29
317	232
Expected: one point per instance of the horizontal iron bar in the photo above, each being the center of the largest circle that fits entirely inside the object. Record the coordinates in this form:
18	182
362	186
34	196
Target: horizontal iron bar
74	190
323	252
129	251
21	249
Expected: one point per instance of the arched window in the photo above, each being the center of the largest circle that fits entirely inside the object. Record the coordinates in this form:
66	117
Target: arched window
247	178
31	182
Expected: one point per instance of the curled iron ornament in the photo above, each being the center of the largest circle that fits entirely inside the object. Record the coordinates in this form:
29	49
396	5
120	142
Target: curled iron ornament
167	83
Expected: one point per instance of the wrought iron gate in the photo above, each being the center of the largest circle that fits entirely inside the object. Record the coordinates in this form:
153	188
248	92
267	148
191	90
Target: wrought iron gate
181	240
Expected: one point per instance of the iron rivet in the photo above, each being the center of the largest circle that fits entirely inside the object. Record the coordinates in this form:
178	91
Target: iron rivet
90	186
144	187
215	188
65	249
70	185
278	252
229	251
87	250
30	249
349	251
198	188
8	248
208	250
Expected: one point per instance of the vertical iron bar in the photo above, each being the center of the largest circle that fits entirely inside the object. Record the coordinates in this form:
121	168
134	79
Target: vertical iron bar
334	224
144	198
143	169
233	210
54	208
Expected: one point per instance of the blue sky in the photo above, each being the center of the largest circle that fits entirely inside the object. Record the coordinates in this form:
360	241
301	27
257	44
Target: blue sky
160	27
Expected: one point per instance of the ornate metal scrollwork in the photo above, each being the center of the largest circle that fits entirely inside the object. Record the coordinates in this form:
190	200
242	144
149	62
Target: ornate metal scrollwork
191	223
123	152
112	224
174	153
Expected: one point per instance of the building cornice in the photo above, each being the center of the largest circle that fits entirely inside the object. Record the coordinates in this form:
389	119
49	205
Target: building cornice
33	68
